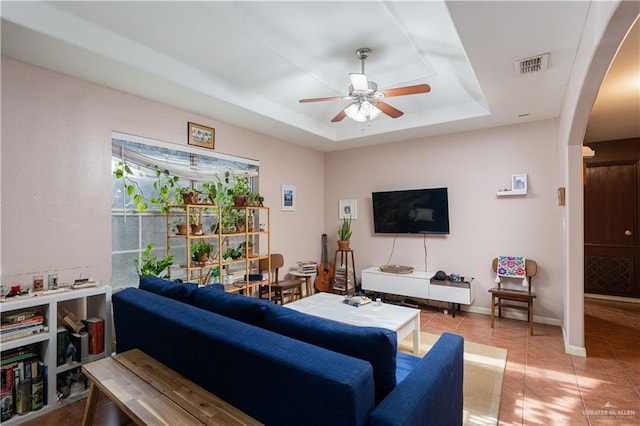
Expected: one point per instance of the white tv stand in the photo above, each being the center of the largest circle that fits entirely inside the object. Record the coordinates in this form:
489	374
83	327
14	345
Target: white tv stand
418	284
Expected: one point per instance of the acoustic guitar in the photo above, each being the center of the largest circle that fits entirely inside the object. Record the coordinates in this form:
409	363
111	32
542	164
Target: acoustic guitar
324	280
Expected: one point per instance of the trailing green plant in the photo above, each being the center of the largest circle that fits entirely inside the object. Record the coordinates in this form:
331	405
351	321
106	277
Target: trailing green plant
344	230
211	191
200	249
150	265
163	183
240	185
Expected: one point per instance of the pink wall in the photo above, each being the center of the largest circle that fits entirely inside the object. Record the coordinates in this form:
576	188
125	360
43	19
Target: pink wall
473	166
56	190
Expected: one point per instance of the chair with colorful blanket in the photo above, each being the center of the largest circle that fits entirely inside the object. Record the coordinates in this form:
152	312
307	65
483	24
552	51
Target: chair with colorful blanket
513	267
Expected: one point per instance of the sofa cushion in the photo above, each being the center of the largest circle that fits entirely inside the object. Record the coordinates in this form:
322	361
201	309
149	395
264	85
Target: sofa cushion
236	306
376	345
182	292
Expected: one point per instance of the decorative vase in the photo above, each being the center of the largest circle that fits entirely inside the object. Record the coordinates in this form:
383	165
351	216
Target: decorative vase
240	200
343	245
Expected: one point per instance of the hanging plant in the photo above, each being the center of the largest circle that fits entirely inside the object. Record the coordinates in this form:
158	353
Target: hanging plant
163	184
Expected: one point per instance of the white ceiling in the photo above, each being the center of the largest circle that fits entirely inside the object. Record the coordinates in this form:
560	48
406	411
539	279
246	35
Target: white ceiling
248	63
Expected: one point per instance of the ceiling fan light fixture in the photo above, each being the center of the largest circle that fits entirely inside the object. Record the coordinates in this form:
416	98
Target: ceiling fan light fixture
359	82
362	111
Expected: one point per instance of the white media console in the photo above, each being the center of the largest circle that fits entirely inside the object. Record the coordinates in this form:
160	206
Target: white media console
418	284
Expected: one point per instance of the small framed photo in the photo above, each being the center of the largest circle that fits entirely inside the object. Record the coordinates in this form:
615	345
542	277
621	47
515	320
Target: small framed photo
38	283
348	209
288	198
519	183
201	136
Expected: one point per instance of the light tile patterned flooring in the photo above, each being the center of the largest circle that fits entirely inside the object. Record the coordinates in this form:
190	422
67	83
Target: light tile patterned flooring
542	384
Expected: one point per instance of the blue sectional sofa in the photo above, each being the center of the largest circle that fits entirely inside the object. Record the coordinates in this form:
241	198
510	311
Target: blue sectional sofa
287	368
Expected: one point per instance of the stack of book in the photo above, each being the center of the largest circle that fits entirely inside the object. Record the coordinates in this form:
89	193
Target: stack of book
22	387
22	324
341	281
307	266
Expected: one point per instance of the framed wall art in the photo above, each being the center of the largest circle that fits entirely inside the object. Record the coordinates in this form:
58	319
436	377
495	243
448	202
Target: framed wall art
348	209
519	183
288	198
201	136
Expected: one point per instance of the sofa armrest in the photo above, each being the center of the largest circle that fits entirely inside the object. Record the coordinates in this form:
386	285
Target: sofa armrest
432	393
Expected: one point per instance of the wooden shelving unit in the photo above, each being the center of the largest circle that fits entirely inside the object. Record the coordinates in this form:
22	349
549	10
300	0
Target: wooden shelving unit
215	230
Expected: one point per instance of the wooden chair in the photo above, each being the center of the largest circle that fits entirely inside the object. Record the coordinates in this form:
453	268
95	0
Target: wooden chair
524	298
280	290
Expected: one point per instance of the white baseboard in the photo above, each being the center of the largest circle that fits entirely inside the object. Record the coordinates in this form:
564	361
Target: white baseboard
571	349
513	314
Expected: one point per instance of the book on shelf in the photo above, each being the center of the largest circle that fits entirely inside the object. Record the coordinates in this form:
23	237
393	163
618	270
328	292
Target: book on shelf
6	393
81	342
61	345
17	317
95	328
31	330
37	319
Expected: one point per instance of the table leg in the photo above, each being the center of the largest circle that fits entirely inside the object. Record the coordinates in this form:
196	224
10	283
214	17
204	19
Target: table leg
493	309
416	334
309	287
90	405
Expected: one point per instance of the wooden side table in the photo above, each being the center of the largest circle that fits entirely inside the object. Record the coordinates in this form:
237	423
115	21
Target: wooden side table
339	277
307	278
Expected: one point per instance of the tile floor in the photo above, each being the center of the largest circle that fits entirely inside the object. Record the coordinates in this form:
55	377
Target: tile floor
542	384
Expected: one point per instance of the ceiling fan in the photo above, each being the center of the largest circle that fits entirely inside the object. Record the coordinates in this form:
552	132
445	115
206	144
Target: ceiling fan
367	100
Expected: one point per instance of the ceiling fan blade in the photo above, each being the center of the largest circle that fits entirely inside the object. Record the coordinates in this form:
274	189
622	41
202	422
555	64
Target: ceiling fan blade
359	82
388	109
341	115
407	90
330	98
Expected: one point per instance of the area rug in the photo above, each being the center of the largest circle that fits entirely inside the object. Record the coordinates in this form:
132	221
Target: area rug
483	371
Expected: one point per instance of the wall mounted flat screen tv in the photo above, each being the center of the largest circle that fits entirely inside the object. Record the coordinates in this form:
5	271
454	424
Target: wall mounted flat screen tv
413	211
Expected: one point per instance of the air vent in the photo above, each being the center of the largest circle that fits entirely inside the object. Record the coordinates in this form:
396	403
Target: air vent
532	65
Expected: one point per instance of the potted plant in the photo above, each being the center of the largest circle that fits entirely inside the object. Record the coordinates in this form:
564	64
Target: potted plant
194	221
344	234
247	248
150	265
240	222
240	191
178	226
232	253
211	191
200	251
189	195
255	199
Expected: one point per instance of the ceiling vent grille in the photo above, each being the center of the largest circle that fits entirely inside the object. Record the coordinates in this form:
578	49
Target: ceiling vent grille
532	65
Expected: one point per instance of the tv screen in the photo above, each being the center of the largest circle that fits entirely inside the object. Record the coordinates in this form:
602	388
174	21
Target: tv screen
414	211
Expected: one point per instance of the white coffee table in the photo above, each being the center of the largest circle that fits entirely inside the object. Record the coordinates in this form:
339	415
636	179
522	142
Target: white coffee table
400	319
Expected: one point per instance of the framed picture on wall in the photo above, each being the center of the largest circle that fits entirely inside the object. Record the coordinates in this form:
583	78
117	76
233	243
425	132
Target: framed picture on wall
288	198
201	136
348	209
519	183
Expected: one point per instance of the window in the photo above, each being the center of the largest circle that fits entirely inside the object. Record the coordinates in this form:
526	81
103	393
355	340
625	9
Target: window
132	230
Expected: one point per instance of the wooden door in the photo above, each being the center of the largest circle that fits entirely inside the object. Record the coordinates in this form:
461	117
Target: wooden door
612	219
